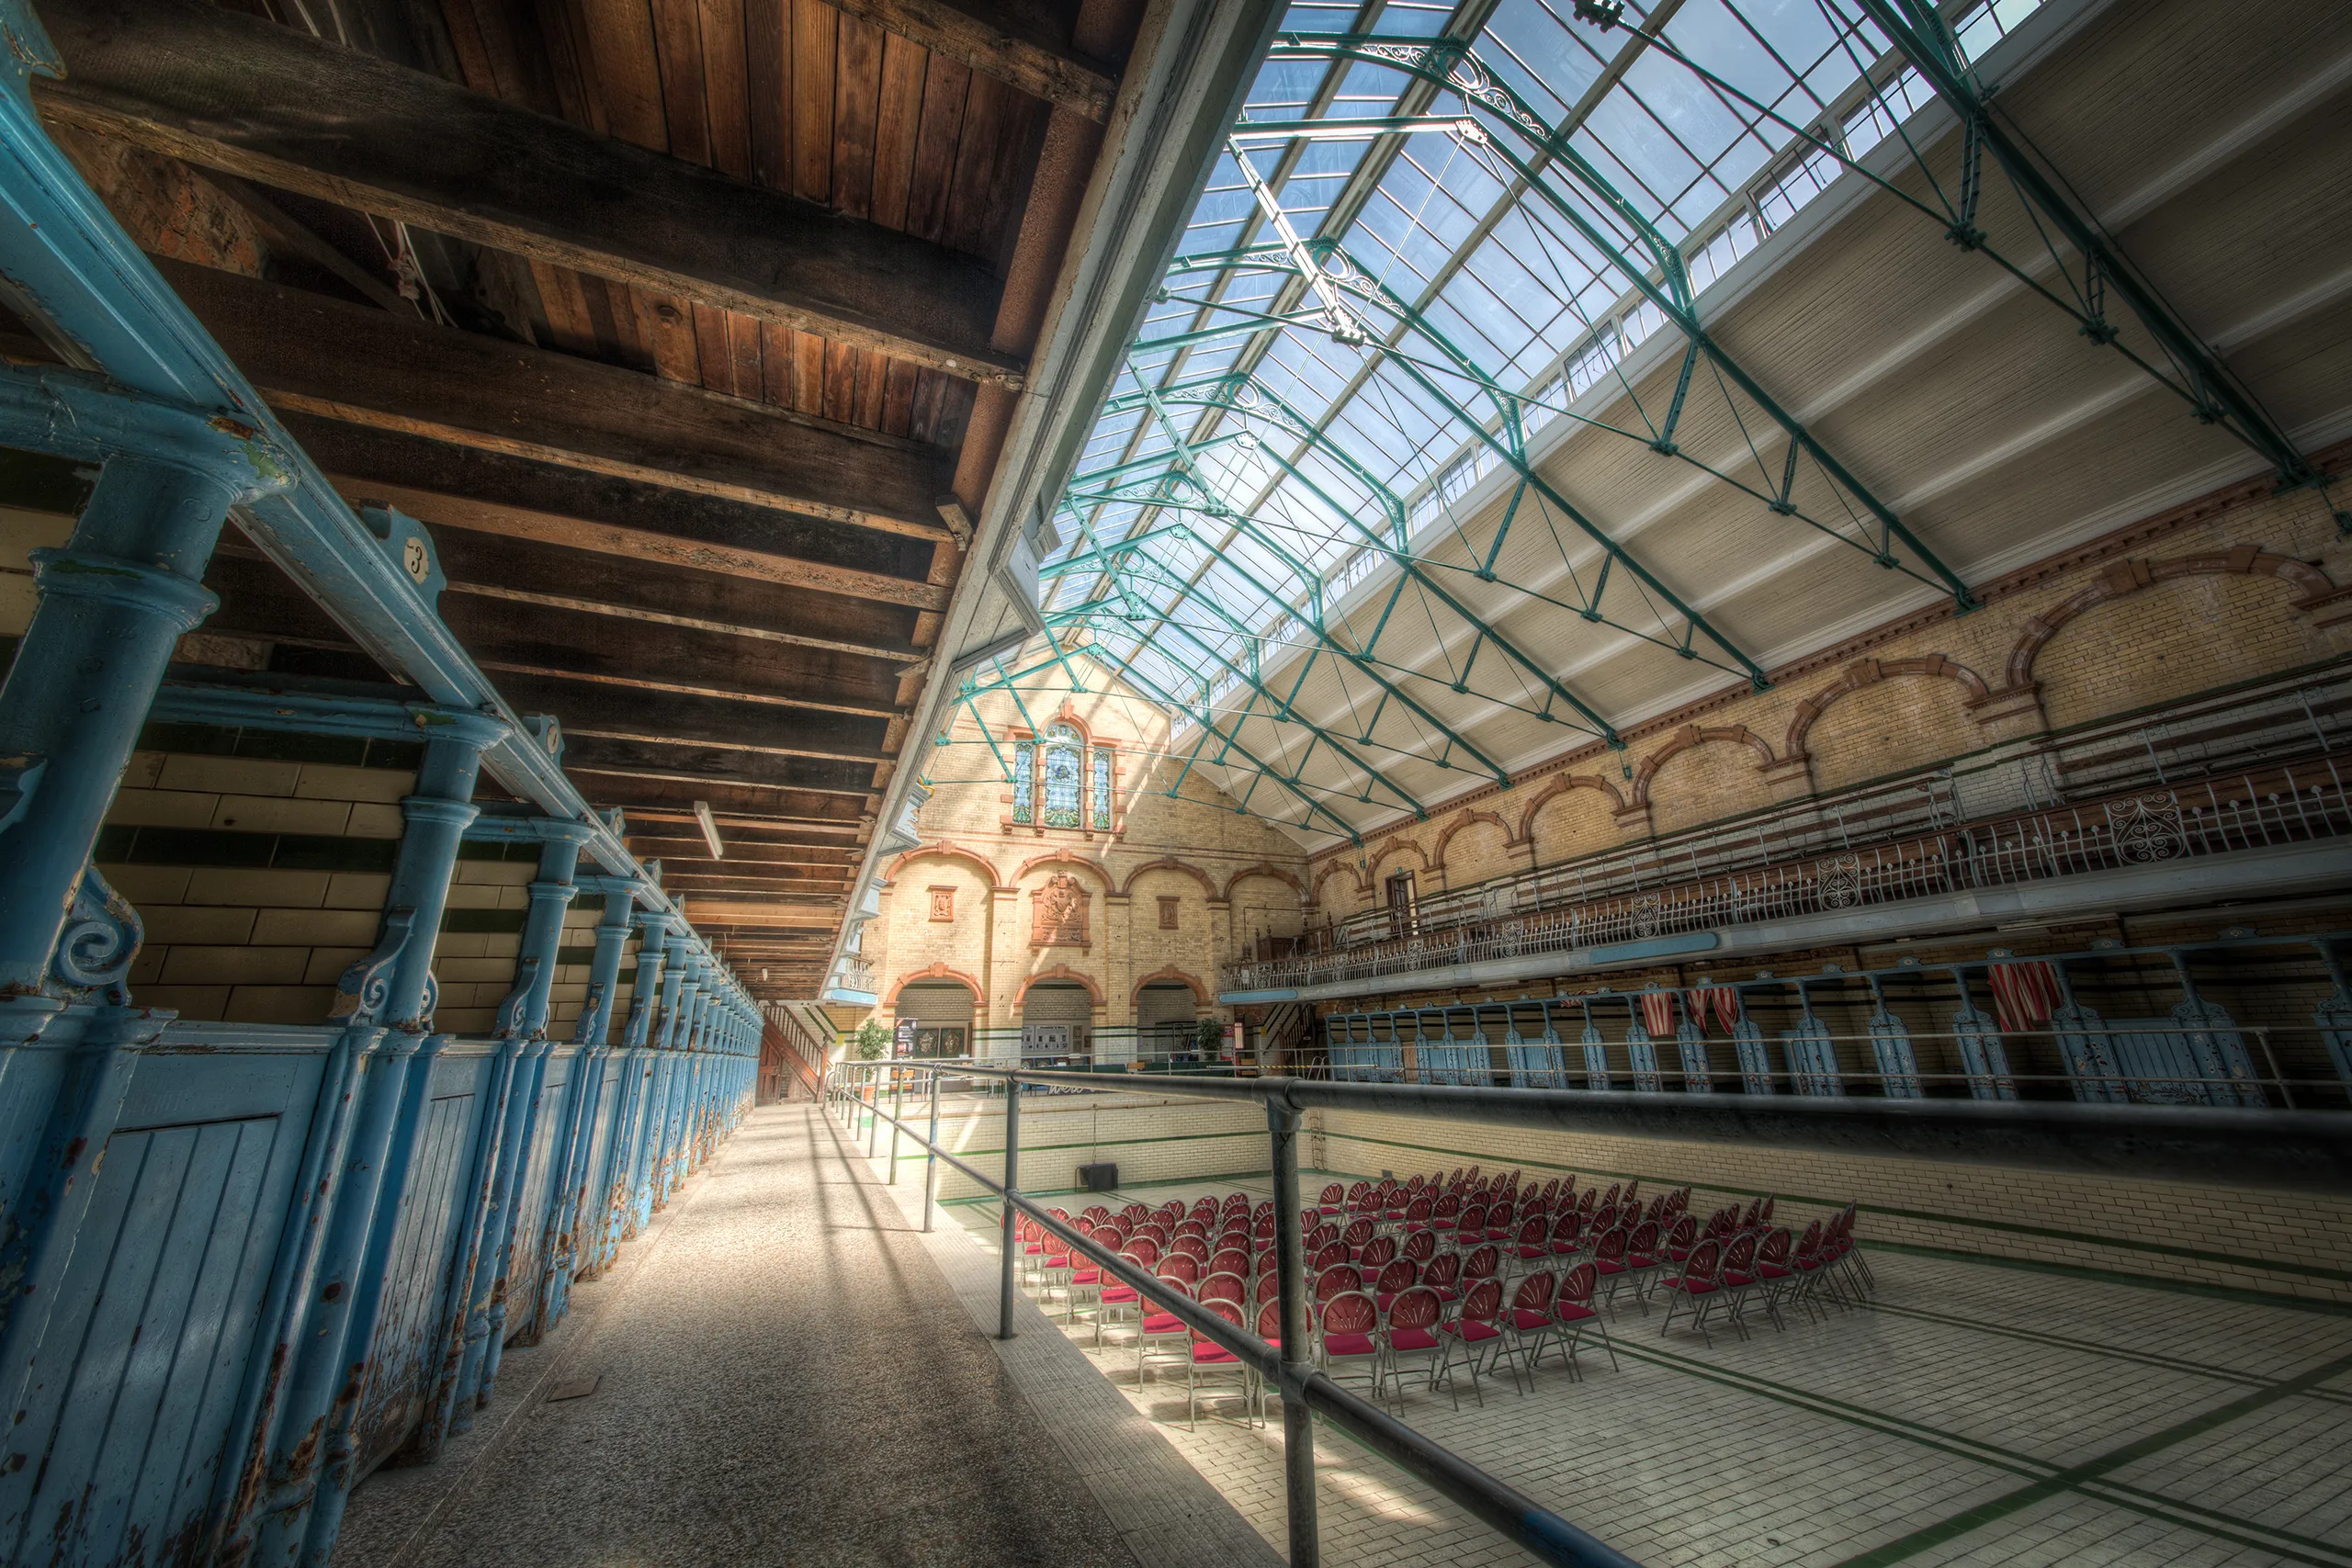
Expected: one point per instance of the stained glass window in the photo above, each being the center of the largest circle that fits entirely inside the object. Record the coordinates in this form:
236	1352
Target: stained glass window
1101	791
1062	772
1025	782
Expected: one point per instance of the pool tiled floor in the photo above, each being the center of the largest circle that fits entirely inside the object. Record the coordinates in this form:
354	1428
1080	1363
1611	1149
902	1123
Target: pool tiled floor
1975	1414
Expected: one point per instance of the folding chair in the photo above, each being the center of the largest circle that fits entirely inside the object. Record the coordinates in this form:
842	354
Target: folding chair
1409	1336
1440	1275
1573	1313
1211	1360
1697	1286
1526	1326
1351	1338
1376	1254
1162	1328
1472	1332
1231	1260
1398	1277
1333	1201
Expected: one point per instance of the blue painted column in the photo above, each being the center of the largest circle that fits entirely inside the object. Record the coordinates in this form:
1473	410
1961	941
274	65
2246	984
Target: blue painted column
113	605
522	1042
560	1245
609	1193
308	1437
681	986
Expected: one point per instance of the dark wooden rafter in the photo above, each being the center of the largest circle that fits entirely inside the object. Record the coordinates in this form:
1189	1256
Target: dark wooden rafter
658	526
1017	42
263	102
361	366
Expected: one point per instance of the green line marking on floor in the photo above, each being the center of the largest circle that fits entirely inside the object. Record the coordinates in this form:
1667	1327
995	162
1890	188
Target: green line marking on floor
2073	1478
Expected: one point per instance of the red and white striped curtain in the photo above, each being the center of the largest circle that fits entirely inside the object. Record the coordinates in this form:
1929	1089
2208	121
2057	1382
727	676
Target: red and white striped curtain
1658	1013
1722	999
2025	994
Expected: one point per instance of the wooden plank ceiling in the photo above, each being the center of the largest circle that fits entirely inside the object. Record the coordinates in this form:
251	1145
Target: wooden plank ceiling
691	327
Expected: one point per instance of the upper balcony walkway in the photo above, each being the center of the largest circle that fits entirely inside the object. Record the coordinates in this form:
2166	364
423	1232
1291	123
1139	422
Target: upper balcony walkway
2241	791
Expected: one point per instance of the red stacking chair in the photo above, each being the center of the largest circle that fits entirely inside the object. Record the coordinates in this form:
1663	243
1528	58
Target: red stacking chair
1534	1242
1696	1286
1351	1338
1471	1333
1573	1314
1211	1360
1161	1327
1336	1280
1526	1326
1609	1256
1231	1260
1421	1246
1376	1254
1443	1270
1568	1235
1410	1339
1398	1277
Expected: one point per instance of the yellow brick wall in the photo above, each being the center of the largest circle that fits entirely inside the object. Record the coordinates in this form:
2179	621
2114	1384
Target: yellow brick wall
992	866
1152	1138
2280	1243
251	945
2170	638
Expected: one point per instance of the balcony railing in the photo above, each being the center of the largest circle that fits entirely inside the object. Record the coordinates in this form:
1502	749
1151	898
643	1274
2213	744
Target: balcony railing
1916	839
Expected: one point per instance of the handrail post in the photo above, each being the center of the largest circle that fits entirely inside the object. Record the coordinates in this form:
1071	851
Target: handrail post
874	1112
898	1109
1290	1261
1011	1184
931	1155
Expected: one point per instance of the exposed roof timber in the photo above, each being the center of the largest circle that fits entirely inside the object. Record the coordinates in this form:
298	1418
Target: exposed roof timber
691	623
367	366
245	96
466	488
1020	41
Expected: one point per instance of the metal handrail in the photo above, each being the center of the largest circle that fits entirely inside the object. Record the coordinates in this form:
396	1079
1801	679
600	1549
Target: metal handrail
2218	815
1305	1390
2298	1151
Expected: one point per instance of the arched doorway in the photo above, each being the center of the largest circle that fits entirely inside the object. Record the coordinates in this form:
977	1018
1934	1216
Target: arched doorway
1164	1015
941	1011
1055	1016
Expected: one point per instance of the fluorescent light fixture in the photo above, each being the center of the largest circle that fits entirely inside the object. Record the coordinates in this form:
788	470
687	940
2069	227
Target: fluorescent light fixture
710	829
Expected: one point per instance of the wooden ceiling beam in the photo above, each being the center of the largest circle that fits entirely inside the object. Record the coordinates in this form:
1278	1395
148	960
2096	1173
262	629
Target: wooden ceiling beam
362	365
648	526
640	799
743	853
232	92
1017	42
715	765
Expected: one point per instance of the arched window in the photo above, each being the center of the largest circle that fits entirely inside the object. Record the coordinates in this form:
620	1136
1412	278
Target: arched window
1024	781
1101	793
1063	770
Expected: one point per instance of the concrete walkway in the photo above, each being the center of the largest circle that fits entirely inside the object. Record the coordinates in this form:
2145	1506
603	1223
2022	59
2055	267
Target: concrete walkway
782	1376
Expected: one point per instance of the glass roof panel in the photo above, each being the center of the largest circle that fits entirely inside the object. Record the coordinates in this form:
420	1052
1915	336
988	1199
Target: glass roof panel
1428	273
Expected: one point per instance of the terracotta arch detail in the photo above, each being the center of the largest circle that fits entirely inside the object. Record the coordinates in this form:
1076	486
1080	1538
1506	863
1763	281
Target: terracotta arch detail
937	972
1165	976
945	850
1339	868
1059	972
1064	857
1558	787
1168	862
1263	869
1470	820
1691	736
2129	577
1397	844
1867	672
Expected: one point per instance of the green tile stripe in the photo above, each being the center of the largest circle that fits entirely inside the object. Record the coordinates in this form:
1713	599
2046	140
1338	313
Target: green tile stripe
2073	1478
2239	1293
2092	1347
2079	1238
